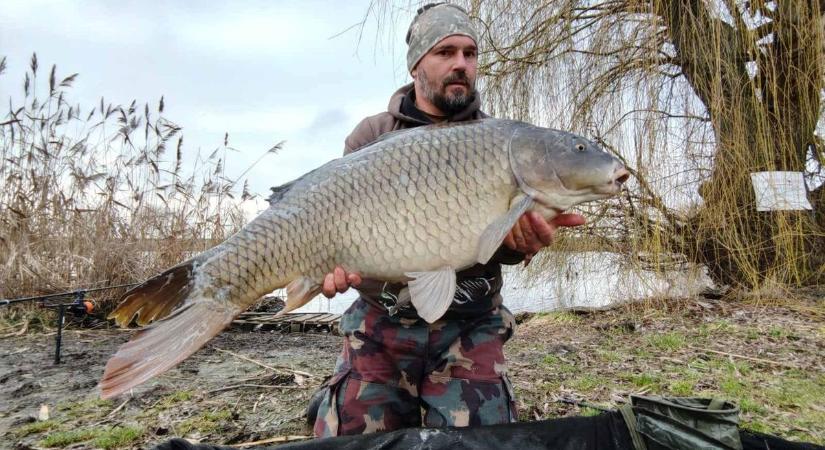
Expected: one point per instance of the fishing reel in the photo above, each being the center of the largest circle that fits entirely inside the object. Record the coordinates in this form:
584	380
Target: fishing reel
79	306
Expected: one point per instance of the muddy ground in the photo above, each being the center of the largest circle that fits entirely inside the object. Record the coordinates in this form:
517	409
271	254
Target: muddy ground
767	355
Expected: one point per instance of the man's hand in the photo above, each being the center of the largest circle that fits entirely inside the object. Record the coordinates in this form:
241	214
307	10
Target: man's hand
339	281
532	233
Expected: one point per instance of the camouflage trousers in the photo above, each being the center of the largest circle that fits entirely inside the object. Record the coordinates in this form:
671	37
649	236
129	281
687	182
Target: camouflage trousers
395	372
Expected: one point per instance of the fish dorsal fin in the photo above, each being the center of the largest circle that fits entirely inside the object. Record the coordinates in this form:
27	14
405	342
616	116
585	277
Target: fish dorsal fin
495	233
432	292
278	192
299	292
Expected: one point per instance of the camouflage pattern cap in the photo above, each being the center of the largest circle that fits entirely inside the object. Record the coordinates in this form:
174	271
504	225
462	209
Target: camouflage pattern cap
433	23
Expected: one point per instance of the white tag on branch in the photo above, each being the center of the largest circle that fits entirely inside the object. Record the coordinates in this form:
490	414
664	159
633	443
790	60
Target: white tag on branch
44	413
780	191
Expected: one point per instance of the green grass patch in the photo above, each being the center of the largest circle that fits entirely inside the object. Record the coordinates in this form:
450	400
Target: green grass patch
588	382
35	427
643	380
558	365
558	317
64	438
682	388
589	412
794	392
735	387
667	342
175	398
611	355
117	437
205	422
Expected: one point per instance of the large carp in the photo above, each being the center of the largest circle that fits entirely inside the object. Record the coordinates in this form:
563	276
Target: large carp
415	206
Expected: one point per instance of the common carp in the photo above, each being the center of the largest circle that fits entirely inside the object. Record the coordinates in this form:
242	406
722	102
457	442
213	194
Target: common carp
415	207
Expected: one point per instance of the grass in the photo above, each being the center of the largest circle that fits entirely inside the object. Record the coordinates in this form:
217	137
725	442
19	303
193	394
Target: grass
175	398
36	428
65	438
118	437
667	358
205	422
100	437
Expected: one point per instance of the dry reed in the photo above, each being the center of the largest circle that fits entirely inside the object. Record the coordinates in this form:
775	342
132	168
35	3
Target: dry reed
102	196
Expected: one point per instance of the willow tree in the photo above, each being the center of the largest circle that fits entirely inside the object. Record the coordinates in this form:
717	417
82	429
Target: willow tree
696	95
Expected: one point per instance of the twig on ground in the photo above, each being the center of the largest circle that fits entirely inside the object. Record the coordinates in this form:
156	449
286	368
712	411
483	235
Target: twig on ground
114	411
272	440
749	358
266	386
273	368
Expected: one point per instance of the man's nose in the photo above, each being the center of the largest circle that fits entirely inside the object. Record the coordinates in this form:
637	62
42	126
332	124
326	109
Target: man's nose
460	62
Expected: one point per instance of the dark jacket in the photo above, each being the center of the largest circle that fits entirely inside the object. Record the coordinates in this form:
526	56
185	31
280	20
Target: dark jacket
478	288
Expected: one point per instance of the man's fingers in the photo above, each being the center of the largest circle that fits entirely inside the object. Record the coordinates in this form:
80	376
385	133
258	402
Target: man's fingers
518	236
340	277
568	220
527	230
509	241
543	230
354	279
328	288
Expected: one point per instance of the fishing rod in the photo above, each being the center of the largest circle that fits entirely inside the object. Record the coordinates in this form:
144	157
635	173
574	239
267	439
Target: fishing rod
78	306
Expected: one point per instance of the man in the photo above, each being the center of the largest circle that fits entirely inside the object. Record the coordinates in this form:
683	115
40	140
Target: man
394	364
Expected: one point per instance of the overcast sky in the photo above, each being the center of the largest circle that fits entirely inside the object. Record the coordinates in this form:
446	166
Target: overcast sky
263	71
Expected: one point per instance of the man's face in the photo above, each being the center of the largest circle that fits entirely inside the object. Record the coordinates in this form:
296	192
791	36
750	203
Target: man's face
446	75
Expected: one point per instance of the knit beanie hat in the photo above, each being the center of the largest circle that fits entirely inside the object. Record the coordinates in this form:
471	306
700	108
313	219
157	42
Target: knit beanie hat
434	22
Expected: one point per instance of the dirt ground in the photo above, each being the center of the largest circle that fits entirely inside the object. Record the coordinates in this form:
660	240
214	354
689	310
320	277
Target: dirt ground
768	356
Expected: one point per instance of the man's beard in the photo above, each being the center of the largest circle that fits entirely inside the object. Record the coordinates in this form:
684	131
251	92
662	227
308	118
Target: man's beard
449	104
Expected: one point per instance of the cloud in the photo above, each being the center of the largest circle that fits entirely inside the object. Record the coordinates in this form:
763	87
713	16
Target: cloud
332	118
287	121
239	33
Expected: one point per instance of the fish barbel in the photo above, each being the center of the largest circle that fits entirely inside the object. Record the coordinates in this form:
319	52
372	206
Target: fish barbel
415	206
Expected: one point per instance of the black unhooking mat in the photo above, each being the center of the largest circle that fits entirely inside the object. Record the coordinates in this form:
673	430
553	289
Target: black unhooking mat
603	432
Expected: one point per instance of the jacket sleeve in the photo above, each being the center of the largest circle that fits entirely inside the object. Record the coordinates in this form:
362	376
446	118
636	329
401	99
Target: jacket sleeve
363	134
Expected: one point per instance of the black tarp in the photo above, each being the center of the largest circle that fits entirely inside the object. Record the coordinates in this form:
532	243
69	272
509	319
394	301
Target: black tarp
603	432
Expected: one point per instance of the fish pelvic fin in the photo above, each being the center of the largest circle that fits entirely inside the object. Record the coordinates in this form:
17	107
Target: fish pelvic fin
495	233
165	343
432	292
299	292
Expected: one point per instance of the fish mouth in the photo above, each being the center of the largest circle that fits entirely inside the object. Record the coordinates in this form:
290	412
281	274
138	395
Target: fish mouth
616	182
620	176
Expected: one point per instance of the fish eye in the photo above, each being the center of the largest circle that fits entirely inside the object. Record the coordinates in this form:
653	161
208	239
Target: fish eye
580	147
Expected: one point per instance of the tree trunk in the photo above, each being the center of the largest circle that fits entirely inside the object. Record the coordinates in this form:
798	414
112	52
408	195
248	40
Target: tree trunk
762	123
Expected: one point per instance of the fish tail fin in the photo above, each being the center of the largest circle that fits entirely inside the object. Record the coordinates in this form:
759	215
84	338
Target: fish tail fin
173	337
164	344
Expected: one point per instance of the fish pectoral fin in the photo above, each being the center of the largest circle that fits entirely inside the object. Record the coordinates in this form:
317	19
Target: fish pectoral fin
495	233
299	292
432	292
165	343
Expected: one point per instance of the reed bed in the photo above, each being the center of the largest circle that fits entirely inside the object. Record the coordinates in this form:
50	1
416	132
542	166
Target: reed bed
102	195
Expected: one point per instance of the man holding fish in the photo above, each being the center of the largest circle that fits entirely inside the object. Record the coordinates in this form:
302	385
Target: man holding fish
394	363
426	215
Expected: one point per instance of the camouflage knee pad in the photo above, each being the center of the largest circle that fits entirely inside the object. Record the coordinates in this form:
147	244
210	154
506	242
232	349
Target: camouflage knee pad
391	369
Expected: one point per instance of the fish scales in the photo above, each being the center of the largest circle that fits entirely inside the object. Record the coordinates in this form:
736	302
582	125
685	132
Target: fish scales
415	206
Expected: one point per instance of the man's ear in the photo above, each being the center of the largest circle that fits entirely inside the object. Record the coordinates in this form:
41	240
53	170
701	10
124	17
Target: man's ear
414	72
